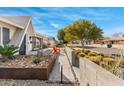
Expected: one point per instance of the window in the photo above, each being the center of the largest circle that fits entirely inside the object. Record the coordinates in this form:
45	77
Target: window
0	36
6	35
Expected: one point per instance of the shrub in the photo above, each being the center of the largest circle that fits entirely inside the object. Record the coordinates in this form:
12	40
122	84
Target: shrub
37	60
87	56
27	56
109	61
81	54
99	57
83	51
111	65
121	63
86	51
44	46
77	51
8	51
100	54
96	59
108	56
92	54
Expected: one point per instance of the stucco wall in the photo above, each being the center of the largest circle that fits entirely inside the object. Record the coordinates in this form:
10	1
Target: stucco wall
29	33
10	27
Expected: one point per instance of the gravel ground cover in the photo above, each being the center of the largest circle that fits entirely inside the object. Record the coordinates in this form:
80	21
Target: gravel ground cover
25	62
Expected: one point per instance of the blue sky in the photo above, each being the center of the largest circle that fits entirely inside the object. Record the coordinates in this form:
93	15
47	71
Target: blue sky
49	20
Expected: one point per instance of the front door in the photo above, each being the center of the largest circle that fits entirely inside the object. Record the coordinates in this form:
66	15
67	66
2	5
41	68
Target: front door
22	50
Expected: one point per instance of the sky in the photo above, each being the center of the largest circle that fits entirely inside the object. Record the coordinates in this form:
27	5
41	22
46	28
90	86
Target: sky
48	20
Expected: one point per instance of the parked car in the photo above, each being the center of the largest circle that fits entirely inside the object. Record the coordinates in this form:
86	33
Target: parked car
109	45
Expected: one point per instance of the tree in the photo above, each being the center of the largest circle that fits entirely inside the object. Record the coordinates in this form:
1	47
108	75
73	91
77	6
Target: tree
83	30
61	35
68	37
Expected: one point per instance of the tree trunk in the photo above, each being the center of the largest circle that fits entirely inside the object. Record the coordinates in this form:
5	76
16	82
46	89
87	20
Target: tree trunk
82	42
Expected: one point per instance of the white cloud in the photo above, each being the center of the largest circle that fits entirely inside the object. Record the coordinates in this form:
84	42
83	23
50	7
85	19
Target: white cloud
113	30
55	25
97	13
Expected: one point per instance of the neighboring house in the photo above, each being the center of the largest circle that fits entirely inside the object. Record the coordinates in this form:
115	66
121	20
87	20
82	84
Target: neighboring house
119	40
18	31
38	41
115	42
45	40
51	41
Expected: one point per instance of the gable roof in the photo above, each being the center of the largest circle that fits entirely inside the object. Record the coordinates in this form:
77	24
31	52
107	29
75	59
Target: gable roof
18	21
39	35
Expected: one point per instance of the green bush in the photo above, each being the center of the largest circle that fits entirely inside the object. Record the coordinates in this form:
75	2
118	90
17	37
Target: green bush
86	51
111	65
36	60
8	51
87	56
108	56
92	54
100	54
77	51
44	46
83	51
27	56
121	63
108	61
81	54
96	59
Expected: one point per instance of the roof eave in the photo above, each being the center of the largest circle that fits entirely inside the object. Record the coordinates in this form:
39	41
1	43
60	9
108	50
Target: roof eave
11	23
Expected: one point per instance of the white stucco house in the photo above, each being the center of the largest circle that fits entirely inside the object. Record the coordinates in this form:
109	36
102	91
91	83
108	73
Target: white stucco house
18	31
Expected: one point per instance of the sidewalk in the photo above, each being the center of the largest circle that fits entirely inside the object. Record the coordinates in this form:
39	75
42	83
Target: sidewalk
76	71
67	73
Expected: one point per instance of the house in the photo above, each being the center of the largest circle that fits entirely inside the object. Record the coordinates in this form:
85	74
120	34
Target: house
18	31
114	42
118	40
38	41
49	40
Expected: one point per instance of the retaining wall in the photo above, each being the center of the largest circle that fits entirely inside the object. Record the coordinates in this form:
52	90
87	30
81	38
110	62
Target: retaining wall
27	73
93	75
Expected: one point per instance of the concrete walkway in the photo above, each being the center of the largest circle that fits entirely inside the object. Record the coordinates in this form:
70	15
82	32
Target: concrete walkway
76	70
67	72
